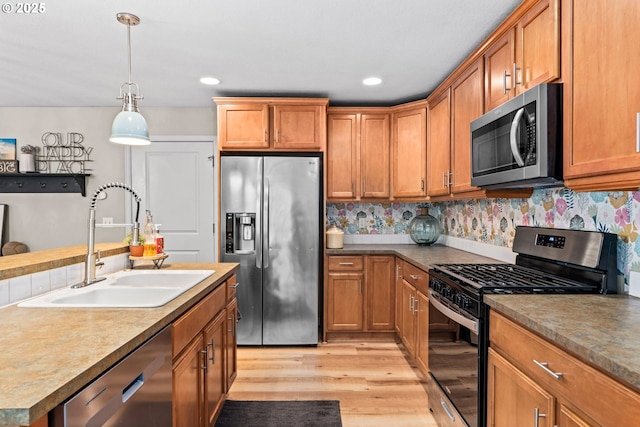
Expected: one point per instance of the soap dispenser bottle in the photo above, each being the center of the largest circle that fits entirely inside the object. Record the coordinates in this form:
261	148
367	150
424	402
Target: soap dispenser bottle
149	237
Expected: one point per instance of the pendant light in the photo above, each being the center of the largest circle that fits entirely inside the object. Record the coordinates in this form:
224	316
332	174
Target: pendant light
129	127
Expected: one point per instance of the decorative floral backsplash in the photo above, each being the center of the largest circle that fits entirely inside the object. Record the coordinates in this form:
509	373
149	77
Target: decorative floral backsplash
493	221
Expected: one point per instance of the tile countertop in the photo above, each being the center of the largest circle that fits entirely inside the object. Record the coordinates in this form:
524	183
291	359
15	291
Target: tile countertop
420	256
48	354
603	330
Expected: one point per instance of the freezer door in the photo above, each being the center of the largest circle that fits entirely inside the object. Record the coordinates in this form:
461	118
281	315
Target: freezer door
240	192
291	224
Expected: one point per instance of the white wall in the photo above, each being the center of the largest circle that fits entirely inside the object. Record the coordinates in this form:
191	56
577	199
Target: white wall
45	221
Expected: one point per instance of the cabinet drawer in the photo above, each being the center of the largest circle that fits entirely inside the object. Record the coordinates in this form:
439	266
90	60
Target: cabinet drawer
346	263
194	320
417	277
231	284
598	395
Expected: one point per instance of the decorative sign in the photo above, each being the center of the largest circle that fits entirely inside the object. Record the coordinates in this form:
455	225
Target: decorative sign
64	156
8	166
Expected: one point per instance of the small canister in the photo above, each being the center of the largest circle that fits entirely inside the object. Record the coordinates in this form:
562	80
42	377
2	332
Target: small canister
335	237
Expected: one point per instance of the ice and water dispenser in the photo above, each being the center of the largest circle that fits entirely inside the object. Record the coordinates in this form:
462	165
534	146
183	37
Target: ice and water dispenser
241	233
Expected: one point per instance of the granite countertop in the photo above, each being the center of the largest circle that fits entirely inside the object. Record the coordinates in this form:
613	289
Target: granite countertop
420	256
603	330
48	354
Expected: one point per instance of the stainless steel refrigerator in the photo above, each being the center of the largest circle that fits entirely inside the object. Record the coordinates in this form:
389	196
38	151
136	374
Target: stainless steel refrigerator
270	215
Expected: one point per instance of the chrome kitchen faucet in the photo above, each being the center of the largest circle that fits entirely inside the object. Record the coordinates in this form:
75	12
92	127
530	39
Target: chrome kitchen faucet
92	261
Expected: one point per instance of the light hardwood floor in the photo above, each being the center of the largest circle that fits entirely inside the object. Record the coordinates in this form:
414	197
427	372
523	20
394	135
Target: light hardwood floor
373	381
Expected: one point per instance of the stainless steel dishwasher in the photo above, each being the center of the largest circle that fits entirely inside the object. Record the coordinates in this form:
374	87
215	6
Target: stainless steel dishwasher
134	392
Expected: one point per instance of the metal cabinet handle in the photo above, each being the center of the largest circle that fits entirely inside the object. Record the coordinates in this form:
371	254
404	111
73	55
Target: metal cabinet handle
411	303
515	75
545	367
346	264
450	179
416	306
536	417
414	277
504	82
421	184
446	409
398	272
266	135
212	359
235	286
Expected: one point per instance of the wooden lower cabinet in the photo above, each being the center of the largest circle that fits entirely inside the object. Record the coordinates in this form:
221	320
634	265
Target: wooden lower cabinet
408	331
231	344
530	378
360	294
204	358
514	399
422	332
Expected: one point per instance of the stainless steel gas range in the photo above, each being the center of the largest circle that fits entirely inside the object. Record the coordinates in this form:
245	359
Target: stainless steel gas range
547	261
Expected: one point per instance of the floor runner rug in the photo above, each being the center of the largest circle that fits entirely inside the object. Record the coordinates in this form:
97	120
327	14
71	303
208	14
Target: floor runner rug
289	413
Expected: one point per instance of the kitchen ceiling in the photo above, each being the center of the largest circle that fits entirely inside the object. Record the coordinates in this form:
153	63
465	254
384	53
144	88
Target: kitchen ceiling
75	52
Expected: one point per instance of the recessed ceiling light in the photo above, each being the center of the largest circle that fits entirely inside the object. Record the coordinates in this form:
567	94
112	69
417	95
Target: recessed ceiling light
372	81
209	81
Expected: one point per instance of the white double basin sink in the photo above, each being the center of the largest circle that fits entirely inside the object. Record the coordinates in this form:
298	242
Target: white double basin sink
128	288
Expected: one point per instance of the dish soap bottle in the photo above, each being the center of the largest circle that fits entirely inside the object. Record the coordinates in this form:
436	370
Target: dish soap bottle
149	237
159	241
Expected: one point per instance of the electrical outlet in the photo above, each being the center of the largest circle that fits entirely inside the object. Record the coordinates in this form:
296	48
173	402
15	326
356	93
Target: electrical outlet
107	220
362	223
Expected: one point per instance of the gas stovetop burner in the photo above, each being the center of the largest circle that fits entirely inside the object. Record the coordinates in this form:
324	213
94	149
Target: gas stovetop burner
503	277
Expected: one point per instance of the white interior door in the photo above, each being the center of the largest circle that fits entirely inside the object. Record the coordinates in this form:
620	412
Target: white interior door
174	177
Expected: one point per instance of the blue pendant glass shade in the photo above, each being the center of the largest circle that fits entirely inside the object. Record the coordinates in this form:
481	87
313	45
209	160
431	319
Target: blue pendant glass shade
130	128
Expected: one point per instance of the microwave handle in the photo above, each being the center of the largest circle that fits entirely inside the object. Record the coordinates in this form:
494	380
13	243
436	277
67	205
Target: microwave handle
515	124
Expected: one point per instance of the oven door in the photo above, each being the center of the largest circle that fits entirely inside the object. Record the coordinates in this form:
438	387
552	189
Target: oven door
454	367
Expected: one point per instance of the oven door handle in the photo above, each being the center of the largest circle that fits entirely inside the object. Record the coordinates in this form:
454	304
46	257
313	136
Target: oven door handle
456	317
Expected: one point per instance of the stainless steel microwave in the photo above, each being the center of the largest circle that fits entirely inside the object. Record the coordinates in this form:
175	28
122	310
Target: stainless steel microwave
519	144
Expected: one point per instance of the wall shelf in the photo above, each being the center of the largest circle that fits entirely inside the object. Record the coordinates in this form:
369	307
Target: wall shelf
43	183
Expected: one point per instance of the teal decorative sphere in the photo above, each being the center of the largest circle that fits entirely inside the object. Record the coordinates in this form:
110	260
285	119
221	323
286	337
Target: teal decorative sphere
424	229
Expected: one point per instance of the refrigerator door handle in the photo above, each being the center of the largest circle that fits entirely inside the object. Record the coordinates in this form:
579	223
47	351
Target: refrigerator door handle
258	236
265	255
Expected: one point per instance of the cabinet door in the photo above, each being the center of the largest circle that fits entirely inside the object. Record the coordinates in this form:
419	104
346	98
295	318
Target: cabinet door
538	45
243	126
343	157
602	99
231	353
568	418
299	127
513	399
214	335
422	336
409	153
409	317
498	68
466	106
345	305
439	144
374	152
399	304
380	293
187	385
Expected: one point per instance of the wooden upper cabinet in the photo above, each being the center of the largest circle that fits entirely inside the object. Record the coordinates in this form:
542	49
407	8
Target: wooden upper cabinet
439	144
409	153
243	126
299	127
343	164
601	56
374	155
538	45
498	65
272	123
466	106
358	159
526	55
